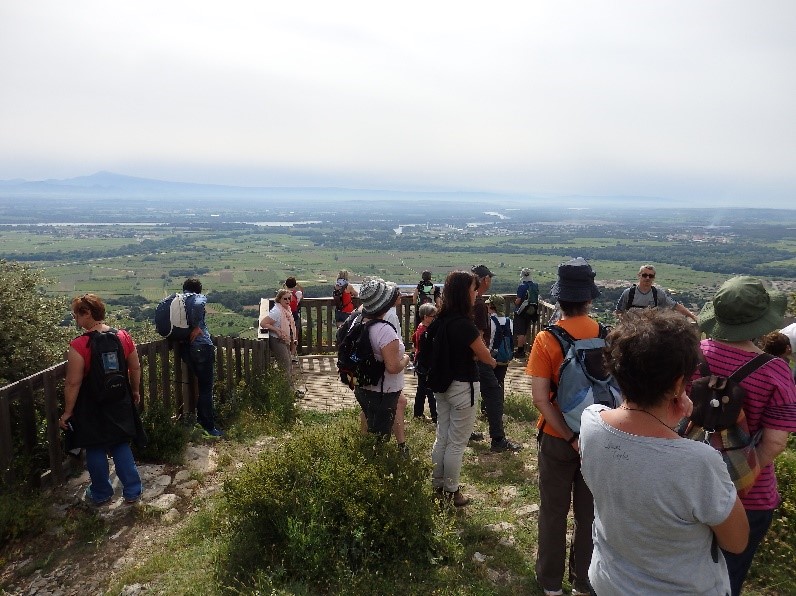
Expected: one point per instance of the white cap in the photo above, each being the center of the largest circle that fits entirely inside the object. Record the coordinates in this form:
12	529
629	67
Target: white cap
790	331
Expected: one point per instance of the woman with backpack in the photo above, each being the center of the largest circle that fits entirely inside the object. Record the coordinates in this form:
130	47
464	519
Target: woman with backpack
663	504
95	420
342	297
380	402
741	311
455	346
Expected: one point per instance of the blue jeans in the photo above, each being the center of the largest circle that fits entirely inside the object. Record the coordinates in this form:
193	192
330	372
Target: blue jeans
200	358
738	565
98	471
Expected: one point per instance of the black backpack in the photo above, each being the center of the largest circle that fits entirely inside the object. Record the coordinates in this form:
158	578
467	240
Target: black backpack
356	362
107	376
425	293
433	364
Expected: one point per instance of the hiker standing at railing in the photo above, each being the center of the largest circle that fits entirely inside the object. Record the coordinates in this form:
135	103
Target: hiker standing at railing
282	332
103	376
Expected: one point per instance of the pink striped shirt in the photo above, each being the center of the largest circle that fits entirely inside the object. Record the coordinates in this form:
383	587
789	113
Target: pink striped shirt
770	403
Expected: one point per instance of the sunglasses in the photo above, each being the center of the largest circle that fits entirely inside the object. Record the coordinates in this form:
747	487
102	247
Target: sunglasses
649	275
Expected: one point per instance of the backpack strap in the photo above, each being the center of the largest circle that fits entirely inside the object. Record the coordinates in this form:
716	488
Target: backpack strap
630	296
655	296
750	367
565	341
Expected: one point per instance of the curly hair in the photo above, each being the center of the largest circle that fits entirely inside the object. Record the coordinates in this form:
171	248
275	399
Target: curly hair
648	351
775	343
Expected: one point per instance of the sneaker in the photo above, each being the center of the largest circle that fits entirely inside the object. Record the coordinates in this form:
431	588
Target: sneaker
213	433
133	500
505	445
477	436
88	498
457	498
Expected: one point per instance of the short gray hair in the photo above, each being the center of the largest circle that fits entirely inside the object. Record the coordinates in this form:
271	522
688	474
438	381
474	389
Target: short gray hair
427	310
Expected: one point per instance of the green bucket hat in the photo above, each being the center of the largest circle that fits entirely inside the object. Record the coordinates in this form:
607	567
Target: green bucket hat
742	309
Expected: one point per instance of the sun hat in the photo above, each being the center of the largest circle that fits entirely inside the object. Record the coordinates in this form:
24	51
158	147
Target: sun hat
482	271
525	274
575	282
498	302
790	333
377	295
742	309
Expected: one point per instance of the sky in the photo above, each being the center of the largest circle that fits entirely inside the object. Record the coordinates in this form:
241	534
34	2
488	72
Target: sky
691	101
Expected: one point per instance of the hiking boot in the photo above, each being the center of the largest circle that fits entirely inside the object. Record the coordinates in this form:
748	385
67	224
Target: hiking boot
504	445
457	498
88	499
477	436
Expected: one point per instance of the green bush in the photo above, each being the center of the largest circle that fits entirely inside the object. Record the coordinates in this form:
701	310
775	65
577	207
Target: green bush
21	513
266	399
327	505
773	564
167	435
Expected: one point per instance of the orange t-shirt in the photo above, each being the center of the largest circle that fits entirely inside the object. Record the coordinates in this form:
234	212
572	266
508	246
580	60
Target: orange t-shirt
546	356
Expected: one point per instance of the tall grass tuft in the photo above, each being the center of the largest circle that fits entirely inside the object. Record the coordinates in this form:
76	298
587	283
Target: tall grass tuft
327	505
266	402
21	512
167	435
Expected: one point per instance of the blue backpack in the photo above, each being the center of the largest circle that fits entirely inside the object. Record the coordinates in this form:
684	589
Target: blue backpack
502	350
171	316
582	379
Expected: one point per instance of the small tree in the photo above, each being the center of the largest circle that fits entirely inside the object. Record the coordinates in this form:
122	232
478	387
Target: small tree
30	337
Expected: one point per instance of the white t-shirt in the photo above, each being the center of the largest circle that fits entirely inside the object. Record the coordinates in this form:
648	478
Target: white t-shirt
654	502
381	335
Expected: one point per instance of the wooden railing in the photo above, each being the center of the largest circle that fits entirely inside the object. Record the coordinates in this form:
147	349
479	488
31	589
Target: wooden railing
319	328
30	407
32	426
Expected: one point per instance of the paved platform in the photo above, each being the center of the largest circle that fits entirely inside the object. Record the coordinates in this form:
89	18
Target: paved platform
324	391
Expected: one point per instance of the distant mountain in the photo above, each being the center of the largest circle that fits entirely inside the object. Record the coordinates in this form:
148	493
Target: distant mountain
111	185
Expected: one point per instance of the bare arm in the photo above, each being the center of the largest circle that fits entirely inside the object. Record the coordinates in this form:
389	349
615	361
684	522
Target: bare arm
733	533
134	374
771	445
685	312
352	290
540	390
74	378
482	352
268	323
393	361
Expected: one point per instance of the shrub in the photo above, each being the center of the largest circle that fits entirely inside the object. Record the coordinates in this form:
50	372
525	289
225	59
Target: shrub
21	513
328	504
773	563
167	436
266	399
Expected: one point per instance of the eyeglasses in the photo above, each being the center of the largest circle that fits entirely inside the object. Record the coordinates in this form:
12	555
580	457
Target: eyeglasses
285	298
649	275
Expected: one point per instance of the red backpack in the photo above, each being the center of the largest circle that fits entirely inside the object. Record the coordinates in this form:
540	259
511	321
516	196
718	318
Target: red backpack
294	302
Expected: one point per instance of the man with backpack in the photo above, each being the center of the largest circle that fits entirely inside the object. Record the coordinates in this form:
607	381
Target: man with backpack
560	478
199	354
426	292
491	391
645	294
526	309
500	328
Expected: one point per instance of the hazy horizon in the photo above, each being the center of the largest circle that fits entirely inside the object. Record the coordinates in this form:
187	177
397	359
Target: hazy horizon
684	102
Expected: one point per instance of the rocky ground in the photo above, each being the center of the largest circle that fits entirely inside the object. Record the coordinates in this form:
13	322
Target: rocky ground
85	547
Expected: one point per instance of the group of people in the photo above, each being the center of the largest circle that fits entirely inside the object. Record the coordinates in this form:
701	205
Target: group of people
656	513
653	512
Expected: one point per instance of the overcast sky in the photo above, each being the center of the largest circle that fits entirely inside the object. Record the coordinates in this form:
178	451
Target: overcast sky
688	100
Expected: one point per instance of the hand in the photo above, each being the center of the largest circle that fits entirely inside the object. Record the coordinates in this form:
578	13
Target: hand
63	420
684	405
136	397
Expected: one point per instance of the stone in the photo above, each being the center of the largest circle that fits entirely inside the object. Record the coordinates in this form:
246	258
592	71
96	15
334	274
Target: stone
479	557
164	502
182	476
171	516
526	510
